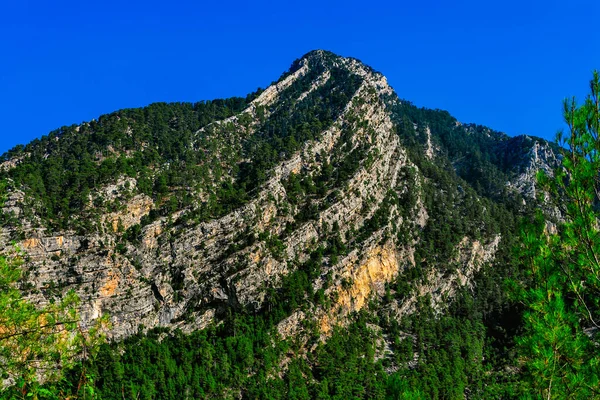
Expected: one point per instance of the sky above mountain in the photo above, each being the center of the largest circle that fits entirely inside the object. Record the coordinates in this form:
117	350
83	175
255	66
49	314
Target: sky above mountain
506	64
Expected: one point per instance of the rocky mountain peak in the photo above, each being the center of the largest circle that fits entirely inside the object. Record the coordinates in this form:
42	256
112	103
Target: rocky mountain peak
306	201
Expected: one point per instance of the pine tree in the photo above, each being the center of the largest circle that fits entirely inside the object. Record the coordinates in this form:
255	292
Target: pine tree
559	349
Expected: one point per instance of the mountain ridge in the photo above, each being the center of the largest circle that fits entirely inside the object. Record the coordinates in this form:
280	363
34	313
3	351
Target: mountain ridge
303	205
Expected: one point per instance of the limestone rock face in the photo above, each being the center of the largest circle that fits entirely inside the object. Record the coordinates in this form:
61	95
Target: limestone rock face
539	156
184	275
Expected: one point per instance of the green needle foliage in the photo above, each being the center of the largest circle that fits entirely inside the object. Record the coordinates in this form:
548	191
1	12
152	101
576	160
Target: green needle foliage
560	350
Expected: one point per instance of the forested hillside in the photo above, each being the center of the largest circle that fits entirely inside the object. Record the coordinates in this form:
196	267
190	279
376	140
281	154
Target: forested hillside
321	238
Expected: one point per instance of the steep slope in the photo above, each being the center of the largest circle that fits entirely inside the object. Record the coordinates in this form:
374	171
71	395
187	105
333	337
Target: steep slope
336	163
180	273
323	195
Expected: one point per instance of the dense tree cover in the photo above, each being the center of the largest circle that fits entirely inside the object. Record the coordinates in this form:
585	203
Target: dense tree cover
244	357
484	158
60	171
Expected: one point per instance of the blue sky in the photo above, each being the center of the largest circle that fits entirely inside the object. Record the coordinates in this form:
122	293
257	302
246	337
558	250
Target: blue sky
505	64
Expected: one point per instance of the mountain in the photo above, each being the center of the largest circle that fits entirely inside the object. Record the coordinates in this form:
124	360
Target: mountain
318	211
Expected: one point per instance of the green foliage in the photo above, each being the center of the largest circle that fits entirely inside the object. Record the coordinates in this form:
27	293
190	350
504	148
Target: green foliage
559	347
453	355
59	171
40	340
484	158
293	124
241	357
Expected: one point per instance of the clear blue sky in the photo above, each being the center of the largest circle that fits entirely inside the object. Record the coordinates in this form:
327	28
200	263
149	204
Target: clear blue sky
505	64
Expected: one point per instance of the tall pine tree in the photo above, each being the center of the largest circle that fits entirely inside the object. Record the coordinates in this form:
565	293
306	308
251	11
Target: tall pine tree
560	346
